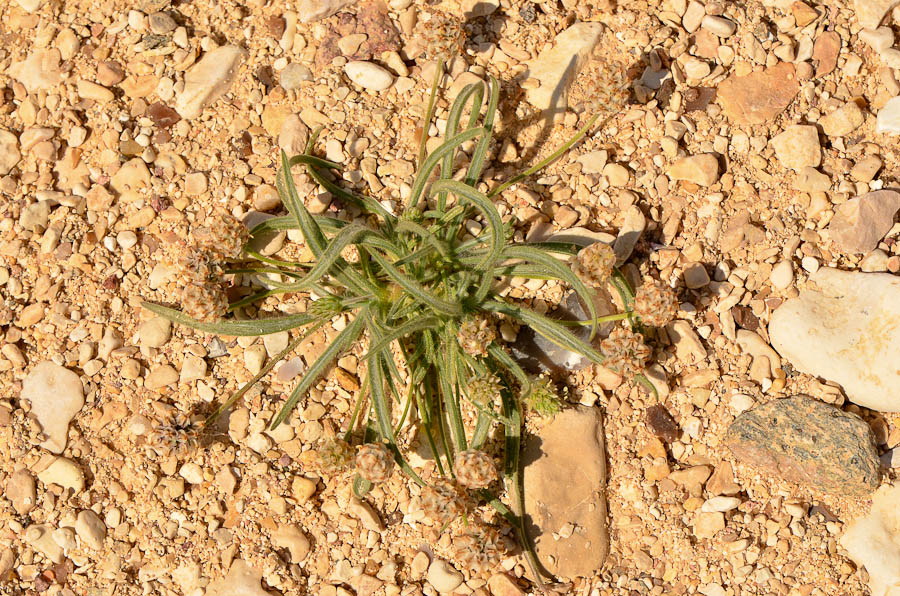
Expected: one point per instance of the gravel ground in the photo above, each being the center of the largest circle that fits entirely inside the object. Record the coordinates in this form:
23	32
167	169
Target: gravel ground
123	124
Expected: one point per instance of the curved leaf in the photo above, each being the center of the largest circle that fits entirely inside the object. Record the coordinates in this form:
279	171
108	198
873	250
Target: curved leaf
248	328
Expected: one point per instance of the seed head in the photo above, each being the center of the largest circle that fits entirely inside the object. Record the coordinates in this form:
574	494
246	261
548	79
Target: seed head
222	236
335	456
476	334
325	307
484	389
594	264
374	462
440	34
204	301
625	351
443	501
543	397
612	94
655	304
480	548
195	266
177	436
474	469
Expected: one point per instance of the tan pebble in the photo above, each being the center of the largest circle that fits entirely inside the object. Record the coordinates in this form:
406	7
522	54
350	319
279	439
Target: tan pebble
89	90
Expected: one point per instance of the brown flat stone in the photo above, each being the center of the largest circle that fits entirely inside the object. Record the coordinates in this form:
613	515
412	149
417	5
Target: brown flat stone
760	96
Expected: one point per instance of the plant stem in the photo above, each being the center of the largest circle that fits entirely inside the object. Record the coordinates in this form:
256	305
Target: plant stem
429	113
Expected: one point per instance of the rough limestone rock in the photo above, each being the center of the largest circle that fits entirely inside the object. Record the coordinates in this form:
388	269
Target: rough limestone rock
565	498
209	79
242	580
558	66
56	395
758	97
860	224
874	542
843	327
870	13
9	151
808	442
315	10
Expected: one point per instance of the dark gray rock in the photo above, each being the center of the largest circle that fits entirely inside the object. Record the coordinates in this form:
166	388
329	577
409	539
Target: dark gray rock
808	442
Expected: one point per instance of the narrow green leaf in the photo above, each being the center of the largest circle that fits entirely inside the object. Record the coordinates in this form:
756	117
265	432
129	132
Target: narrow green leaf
416	290
434	158
348	335
487	208
250	327
407	328
481	149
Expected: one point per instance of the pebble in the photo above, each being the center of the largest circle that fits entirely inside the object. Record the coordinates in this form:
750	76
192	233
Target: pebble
696	69
90	528
98	93
193	368
9	152
708	524
40	537
757	98
64	472
568	452
35	216
155	332
700	169
798	147
56	395
366	514
861	223
859	309
843	120
720	504
161	23
161	376
195	184
368	75
888	121
30	6
811	180
192	473
315	10
616	174
782	275
825	52
695	276
866	168
558	66
809	442
593	161
873	541
20	489
501	584
293	75
293	135
443	577
693	16
242	580
290	537
719	25
208	79
870	13
303	489
633	226
877	260
40	70
133	175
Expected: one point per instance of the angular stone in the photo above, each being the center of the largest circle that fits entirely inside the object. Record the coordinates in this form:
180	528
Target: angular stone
870	13
9	152
843	120
291	538
64	472
888	121
565	486
758	97
315	10
242	580
443	577
825	52
208	79
556	67
40	537
21	491
699	169
40	70
842	327
861	223
798	147
56	395
808	442
161	376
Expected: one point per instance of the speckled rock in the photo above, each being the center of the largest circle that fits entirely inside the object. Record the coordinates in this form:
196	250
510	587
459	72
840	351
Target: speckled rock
843	327
808	442
565	488
758	97
859	224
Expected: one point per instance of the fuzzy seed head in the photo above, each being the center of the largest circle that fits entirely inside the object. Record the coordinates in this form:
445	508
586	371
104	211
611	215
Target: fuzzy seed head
374	462
655	304
594	264
474	469
440	34
222	236
443	501
476	334
195	266
613	93
625	352
335	456
177	436
325	307
543	397
484	389
480	548
204	301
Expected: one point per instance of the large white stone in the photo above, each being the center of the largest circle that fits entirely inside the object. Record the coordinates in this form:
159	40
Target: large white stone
558	66
845	327
888	121
56	395
874	542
